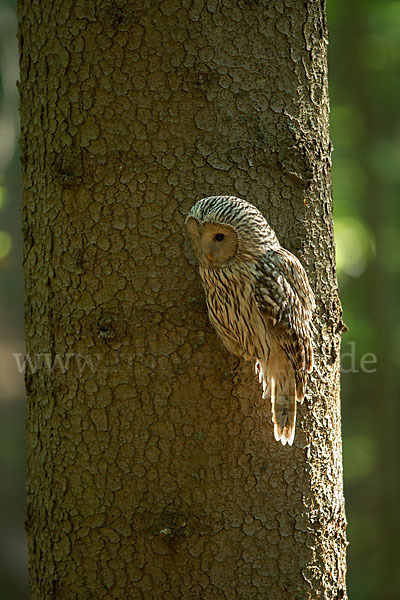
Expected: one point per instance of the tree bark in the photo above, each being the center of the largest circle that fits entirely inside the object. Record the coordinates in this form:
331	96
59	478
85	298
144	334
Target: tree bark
152	468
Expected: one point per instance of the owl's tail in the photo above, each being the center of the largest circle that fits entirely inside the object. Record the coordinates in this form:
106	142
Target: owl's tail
283	402
279	384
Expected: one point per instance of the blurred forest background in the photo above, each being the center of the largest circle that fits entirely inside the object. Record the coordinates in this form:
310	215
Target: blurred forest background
364	71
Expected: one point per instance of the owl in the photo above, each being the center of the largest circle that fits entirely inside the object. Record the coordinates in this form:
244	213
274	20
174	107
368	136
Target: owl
259	300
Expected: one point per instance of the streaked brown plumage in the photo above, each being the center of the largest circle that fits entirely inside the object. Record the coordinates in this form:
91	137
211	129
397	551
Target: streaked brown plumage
259	300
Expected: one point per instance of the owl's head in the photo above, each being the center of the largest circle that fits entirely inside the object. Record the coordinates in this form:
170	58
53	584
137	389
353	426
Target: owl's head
225	229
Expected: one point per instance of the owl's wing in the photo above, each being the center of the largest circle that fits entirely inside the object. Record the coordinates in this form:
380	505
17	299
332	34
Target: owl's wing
285	299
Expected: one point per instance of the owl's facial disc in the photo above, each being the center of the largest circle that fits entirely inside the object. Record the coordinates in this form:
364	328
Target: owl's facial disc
217	244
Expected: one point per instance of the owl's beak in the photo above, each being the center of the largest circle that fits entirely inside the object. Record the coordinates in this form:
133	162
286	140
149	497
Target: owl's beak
209	257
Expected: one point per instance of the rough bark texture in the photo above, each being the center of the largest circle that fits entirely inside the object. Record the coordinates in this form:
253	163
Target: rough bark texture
155	474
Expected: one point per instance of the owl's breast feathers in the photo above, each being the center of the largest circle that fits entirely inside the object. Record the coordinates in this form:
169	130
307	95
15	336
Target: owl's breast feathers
233	310
250	301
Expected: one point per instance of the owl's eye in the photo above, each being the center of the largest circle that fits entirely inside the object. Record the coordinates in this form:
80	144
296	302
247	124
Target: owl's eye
219	237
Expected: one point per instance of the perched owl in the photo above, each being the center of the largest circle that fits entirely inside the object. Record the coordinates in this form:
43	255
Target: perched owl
258	298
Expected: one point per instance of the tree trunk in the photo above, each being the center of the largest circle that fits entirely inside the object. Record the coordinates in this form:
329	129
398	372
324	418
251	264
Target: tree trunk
153	472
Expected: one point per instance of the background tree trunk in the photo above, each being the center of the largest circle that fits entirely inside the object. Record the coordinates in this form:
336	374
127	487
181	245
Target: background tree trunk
153	471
